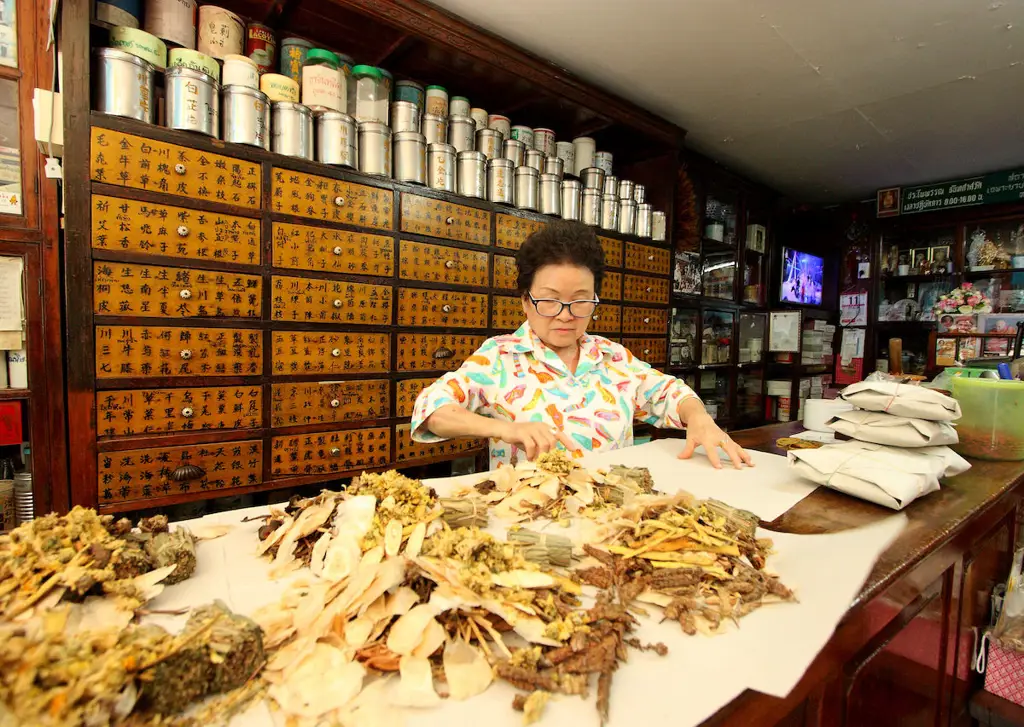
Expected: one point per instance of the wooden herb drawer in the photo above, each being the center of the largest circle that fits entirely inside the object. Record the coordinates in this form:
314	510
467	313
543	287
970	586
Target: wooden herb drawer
505	272
441	264
406	391
331	200
435	351
506	313
166	411
651	350
437	218
407	450
647	259
441	308
312	352
611	286
328	402
125	289
330	250
512	231
126	225
606	319
155	166
612	251
644	320
334	452
156	472
315	300
645	289
130	351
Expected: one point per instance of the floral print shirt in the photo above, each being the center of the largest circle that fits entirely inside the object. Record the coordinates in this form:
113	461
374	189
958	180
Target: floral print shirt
517	378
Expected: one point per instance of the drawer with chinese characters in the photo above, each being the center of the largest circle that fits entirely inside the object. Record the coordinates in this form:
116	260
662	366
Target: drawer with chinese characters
330	250
435	351
127	225
147	291
506	313
437	218
135	162
146	351
328	402
505	272
441	309
646	289
651	350
511	231
639	321
406	391
312	352
407	450
441	264
315	300
611	286
138	475
647	259
331	200
324	453
607	319
132	412
612	251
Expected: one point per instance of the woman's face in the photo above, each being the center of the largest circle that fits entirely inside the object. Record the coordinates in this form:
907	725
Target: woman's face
564	282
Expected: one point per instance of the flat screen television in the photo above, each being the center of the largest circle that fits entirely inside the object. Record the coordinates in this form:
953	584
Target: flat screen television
802	276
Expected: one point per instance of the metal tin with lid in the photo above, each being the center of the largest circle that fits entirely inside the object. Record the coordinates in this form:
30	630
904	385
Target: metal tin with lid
544	140
375	148
639	193
603	160
501	124
291	126
571	189
410	92
193	101
324	85
523	134
405	116
500	173
534	158
609	211
140	43
479	117
293	55
592	178
336	139
459	106
461	132
590	207
565	151
123	85
626	189
583	148
221	32
441	160
472	174
610	185
195	60
550	195
627	216
174	22
437	101
435	129
240	71
279	88
410	157
261	46
246	116
554	165
514	150
527	188
488	141
659	226
643	219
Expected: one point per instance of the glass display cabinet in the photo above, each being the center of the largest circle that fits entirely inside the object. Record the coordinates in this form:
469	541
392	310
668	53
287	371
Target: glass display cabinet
751	337
683	338
916	268
716	337
750	394
719	245
755	252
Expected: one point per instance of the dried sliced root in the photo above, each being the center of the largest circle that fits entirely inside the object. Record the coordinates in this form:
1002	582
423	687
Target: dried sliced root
416	686
466	670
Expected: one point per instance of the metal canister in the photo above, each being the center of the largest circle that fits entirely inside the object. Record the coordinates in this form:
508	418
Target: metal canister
592	178
375	148
336	139
627	216
603	160
410	92
584	148
441	166
488	141
279	88
659	226
501	124
471	177
240	71
195	60
140	43
461	132
527	188
459	106
125	13
499	180
565	151
261	46
221	32
590	206
626	189
571	189
609	211
193	101
410	157
174	22
640	193
435	129
523	134
534	158
293	55
550	195
291	127
405	116
554	165
479	117
643	219
544	140
124	85
515	150
610	185
246	114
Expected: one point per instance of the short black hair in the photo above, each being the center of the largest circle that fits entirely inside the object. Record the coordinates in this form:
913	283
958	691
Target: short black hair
557	243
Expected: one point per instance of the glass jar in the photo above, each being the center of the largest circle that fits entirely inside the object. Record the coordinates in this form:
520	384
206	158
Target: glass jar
369	98
323	84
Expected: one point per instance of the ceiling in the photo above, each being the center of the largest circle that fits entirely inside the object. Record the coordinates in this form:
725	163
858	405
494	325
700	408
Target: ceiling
824	100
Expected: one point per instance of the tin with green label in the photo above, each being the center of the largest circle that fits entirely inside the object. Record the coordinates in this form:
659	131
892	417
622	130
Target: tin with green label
293	55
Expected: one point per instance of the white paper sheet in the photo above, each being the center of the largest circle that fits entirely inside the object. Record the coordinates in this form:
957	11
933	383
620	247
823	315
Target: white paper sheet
12	314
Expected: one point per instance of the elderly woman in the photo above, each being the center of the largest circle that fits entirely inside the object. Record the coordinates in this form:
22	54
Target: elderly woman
551	384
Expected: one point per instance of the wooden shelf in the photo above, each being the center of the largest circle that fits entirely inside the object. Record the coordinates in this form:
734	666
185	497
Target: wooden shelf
15	394
714	246
920	278
987	273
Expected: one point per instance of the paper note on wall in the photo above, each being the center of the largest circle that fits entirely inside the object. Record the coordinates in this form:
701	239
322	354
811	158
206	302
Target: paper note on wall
853	309
12	312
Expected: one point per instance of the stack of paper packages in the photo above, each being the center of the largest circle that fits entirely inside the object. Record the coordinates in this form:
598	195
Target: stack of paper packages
898	451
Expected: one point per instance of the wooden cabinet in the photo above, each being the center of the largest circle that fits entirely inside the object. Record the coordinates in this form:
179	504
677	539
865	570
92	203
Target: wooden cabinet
435	352
406	391
645	289
407	450
309	352
441	264
160	291
607	319
506	313
328	402
133	412
441	309
331	200
648	259
511	231
612	251
650	350
638	321
438	218
333	452
505	272
611	286
151	351
327	250
315	300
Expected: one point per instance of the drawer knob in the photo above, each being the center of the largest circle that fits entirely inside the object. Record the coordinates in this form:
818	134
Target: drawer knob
335	403
336	352
186	353
335	452
595	318
187	412
337	250
185	293
337	302
443	352
339	200
649	289
449	220
187	472
650	258
646	351
449	264
647	320
182	230
446	308
179	168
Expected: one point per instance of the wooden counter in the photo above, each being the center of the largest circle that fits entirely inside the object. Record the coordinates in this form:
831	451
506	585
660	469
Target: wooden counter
901	655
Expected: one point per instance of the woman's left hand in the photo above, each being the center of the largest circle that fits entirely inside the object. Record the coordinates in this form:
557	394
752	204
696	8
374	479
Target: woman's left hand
702	430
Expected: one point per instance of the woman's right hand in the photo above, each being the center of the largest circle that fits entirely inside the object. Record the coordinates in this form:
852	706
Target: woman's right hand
534	438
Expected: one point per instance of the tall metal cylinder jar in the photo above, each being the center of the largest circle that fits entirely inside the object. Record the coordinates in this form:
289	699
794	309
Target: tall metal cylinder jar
123	85
410	157
193	101
640	193
291	127
535	158
499	180
554	165
590	207
610	185
488	143
246	113
514	150
643	219
659	225
461	132
375	148
609	211
336	139
550	195
592	178
434	128
527	188
626	189
571	189
627	216
472	174
441	167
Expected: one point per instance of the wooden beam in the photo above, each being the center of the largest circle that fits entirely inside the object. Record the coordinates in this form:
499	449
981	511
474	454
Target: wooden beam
401	43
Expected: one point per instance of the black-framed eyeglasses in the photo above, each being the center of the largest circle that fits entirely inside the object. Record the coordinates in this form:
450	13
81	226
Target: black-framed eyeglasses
551	308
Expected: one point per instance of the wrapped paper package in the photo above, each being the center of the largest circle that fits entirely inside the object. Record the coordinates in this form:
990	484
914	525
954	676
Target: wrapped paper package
897	431
904	400
884	475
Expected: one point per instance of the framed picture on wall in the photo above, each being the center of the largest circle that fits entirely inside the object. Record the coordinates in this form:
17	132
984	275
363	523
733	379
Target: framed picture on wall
941	261
920	260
